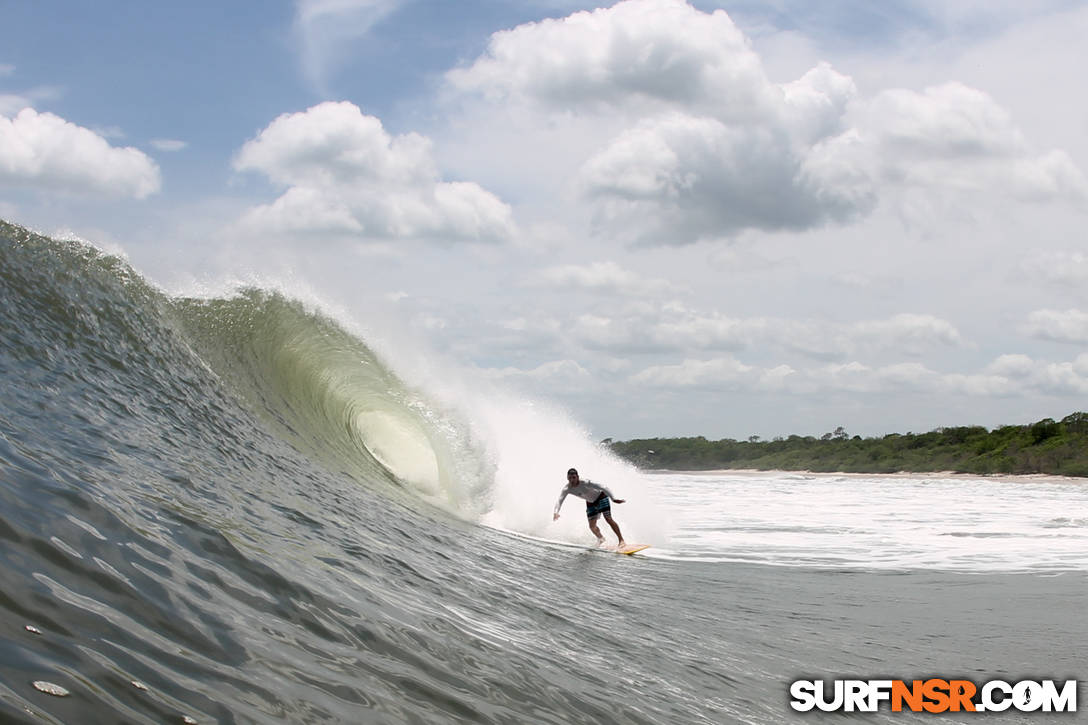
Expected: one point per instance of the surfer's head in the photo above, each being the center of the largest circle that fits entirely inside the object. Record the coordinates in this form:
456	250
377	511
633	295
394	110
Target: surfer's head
572	475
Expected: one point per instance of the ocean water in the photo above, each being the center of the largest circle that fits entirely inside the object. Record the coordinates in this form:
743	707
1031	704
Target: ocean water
935	522
234	508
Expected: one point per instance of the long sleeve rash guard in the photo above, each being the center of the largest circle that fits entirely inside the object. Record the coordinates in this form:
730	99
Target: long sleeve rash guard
588	490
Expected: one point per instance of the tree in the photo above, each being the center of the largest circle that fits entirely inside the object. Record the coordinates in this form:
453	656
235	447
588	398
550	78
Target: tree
1044	429
1076	422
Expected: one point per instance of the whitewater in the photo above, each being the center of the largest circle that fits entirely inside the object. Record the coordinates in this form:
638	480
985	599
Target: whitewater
233	507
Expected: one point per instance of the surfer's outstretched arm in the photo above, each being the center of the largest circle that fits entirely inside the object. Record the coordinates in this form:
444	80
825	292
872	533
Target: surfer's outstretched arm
559	503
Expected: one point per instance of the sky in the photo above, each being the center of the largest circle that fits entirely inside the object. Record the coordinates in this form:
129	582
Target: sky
665	218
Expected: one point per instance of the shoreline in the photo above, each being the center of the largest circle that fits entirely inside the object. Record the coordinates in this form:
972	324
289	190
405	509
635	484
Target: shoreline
954	475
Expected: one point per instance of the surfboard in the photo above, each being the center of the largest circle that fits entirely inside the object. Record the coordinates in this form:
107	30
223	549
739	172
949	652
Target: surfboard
628	550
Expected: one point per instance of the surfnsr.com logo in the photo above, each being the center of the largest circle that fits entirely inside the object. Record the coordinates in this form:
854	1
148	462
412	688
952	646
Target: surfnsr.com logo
933	695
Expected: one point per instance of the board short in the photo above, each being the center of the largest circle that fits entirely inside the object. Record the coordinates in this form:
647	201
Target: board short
601	506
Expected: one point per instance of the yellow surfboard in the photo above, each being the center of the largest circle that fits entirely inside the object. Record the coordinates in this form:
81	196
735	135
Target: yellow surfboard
632	549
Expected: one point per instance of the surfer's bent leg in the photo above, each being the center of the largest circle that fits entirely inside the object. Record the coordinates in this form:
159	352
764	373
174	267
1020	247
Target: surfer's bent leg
615	527
595	530
594	509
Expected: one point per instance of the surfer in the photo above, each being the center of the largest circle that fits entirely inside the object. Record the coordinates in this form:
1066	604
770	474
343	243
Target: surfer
597	502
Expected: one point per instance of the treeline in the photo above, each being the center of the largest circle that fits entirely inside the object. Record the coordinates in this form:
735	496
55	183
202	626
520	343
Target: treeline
1048	446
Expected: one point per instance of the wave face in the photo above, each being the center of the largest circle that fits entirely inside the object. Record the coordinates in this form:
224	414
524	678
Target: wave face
232	510
324	391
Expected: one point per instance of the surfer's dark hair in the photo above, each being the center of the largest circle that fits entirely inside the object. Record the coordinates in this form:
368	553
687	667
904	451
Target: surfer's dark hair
573	470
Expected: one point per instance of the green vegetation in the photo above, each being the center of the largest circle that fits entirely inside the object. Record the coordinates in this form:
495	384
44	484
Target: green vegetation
1048	446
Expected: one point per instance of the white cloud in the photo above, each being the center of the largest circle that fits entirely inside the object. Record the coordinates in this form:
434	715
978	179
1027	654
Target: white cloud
567	374
645	329
951	121
982	385
633	327
1068	269
1009	375
1027	375
731	374
675	327
641	55
346	176
1059	326
676	179
47	152
909	329
1011	366
603	277
724	372
327	28
633	334
949	138
710	147
114	132
12	103
679	327
690	141
169	144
